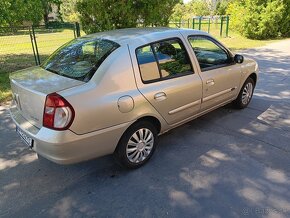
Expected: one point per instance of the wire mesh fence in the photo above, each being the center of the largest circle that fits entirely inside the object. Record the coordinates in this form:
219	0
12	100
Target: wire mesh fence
15	49
48	40
15	53
22	47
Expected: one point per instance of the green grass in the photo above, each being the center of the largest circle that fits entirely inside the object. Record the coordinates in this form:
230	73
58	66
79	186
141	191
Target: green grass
238	42
16	51
5	92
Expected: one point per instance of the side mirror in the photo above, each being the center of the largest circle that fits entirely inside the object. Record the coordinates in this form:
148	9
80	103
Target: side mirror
239	59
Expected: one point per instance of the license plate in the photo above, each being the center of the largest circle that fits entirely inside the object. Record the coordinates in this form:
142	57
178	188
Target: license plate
27	140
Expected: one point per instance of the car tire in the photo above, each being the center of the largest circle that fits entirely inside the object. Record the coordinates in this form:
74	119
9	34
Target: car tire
137	145
245	95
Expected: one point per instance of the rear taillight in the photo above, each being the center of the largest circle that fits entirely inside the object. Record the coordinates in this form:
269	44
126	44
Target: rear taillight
58	113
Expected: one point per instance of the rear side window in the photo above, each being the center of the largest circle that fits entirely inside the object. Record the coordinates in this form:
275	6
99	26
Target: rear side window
80	58
163	60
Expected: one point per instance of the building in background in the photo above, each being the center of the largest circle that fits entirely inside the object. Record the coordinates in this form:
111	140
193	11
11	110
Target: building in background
54	14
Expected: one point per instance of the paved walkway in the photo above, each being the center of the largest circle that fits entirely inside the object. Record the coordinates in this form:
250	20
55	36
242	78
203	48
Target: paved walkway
228	163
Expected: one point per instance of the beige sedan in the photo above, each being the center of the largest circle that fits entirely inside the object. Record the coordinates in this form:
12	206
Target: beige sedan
116	91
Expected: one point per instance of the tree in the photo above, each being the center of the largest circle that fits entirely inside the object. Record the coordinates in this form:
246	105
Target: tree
221	7
179	12
33	11
68	11
4	14
100	15
260	19
285	24
156	12
14	12
199	8
194	8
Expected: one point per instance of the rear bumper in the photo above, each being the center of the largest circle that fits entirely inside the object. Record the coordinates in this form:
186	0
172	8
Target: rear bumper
66	147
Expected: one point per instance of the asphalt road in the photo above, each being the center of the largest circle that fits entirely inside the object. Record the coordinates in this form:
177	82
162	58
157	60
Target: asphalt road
228	163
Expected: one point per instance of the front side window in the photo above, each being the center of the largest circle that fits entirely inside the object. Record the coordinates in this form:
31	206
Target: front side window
163	60
79	58
208	53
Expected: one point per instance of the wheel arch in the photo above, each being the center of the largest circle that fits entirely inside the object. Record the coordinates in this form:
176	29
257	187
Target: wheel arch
254	77
152	120
155	121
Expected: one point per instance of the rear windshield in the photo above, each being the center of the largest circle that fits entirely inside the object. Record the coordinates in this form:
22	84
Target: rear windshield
80	58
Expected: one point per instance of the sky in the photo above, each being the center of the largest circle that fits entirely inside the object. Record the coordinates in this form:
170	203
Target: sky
185	1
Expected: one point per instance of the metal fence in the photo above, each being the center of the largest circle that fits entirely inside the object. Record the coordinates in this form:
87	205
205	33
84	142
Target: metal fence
22	47
216	25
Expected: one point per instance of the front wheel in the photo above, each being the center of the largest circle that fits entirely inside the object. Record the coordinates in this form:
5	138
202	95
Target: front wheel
245	95
137	145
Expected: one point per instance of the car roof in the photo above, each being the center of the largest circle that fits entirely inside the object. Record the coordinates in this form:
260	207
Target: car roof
124	36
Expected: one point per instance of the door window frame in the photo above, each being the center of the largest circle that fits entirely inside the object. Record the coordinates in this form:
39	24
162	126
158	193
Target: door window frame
157	61
230	56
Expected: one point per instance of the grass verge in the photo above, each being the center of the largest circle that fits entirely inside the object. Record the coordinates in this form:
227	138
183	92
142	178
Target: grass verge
238	42
5	92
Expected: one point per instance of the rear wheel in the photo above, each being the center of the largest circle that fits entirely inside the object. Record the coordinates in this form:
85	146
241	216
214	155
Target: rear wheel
137	145
245	95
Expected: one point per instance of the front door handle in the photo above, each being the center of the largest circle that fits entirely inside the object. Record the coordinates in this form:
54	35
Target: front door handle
160	96
210	82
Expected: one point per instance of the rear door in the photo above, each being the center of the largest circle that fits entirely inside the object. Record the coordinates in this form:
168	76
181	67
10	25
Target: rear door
167	79
220	75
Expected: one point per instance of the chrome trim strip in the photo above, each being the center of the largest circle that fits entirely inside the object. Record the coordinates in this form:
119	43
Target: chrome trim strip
196	115
218	94
185	107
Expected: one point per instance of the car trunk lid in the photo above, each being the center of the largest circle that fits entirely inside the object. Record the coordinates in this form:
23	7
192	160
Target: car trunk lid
30	88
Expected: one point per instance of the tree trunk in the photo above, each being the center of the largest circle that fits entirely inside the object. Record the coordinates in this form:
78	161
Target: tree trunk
45	18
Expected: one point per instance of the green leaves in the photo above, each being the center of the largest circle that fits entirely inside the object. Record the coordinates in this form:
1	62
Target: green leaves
194	8
100	15
260	19
68	11
15	12
221	7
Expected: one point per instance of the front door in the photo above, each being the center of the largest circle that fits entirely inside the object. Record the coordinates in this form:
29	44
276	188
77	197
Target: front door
168	80
220	75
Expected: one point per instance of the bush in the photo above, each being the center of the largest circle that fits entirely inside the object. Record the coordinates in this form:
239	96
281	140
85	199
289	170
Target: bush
260	19
100	15
221	7
59	24
285	24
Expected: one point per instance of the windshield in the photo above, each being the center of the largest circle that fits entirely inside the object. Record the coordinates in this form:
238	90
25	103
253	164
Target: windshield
80	58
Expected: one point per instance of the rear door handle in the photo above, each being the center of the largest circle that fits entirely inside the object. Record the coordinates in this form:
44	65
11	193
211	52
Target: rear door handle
210	82
160	96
